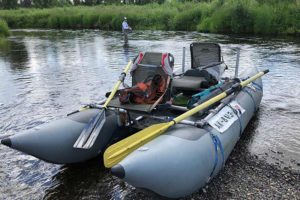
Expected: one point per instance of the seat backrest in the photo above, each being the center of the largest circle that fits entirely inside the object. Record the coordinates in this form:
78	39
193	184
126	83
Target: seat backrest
150	65
203	54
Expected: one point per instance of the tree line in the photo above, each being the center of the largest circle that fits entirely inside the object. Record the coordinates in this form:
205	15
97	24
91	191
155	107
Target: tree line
13	4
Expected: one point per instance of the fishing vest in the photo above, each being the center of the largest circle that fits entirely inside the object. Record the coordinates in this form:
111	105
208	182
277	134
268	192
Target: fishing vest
146	92
152	88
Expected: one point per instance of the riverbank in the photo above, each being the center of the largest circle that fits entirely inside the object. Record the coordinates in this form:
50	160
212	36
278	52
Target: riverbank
242	17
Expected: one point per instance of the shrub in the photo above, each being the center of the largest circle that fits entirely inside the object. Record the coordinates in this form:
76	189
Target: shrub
219	16
263	19
4	30
187	20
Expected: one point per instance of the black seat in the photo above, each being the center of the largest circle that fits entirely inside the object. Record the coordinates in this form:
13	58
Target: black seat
197	78
194	80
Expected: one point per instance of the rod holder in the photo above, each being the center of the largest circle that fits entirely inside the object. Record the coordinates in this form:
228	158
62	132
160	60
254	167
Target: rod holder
237	63
183	59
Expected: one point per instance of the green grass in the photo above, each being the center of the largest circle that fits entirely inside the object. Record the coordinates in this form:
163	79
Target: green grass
250	17
217	16
4	30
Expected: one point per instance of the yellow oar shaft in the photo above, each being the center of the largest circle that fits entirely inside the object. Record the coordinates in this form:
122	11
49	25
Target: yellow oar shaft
116	87
215	99
253	78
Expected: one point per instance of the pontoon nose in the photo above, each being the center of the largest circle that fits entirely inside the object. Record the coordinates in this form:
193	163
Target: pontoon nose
6	142
118	171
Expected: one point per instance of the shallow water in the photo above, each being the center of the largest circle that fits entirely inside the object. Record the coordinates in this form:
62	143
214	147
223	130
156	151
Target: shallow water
46	74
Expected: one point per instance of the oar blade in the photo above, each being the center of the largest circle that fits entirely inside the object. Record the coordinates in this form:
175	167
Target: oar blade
90	133
118	151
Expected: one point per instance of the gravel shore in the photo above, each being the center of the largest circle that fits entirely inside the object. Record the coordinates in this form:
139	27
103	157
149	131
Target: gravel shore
246	177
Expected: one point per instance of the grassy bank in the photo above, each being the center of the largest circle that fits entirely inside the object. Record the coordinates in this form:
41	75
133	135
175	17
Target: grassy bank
217	16
4	30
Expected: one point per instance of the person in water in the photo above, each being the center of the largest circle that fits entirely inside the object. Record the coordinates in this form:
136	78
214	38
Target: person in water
125	29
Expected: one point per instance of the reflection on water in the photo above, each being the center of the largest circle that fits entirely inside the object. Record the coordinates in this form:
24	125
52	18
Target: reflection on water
15	53
46	74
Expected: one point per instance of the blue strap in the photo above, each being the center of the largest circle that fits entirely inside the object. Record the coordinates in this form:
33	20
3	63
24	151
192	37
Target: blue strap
217	143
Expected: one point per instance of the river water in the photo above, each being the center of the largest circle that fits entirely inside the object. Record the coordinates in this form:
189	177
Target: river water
46	74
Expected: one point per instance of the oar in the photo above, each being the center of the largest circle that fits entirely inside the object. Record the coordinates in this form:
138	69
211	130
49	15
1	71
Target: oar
89	134
118	151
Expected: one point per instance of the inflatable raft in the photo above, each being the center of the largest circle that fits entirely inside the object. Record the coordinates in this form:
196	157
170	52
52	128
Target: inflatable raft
174	158
167	133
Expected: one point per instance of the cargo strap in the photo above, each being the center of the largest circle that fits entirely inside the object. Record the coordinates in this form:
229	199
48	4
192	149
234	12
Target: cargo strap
257	86
250	95
217	143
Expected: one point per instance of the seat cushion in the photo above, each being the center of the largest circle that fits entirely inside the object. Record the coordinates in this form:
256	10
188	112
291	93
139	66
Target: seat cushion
188	83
